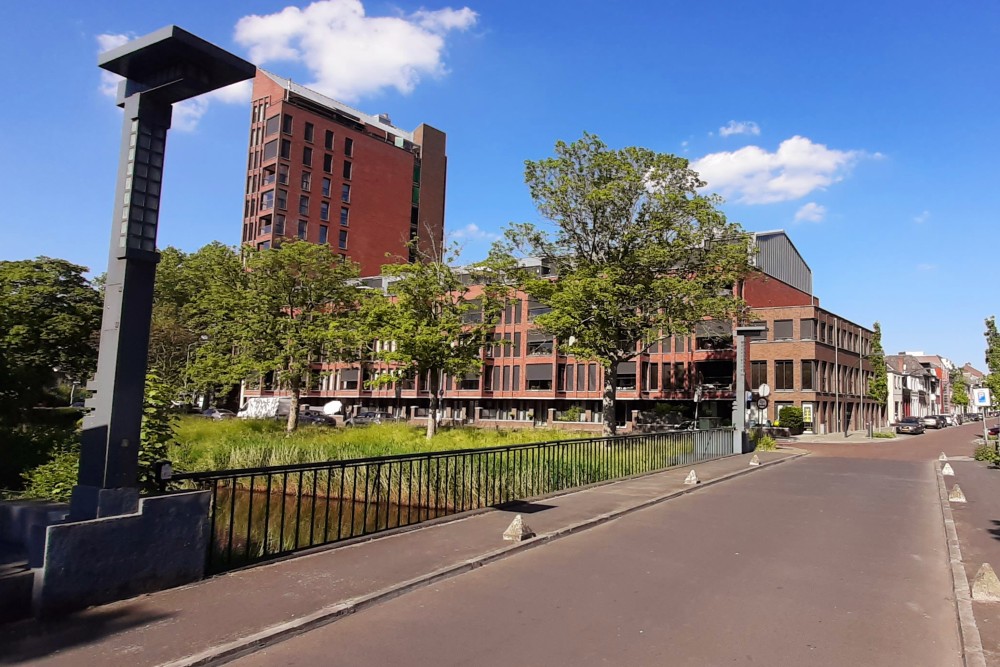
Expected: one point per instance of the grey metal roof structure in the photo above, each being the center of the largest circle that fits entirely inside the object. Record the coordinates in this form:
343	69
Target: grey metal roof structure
778	257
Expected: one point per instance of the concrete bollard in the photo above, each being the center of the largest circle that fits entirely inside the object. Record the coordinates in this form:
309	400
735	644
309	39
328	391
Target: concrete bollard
692	478
947	470
943	457
986	585
518	530
956	495
755	461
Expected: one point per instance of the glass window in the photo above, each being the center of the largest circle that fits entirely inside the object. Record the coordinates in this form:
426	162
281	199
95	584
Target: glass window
279	224
271	149
506	378
581	377
515	383
303	205
348	146
324	210
303	228
347	169
286	149
626	375
282	199
758	374
343	239
783	375
267	200
807	329
591	377
323	233
328	140
326	187
782	330
306	180
309	132
517	344
328	163
680	375
808	367
286	123
283	173
538	377
344	215
307	156
271	125
569	377
345	193
757	336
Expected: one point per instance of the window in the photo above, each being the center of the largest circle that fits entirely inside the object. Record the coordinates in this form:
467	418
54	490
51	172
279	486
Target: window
539	343
309	132
517	344
326	187
271	149
282	199
342	244
349	378
515	382
344	215
347	169
569	377
757	336
286	124
758	374
263	245
808	368
271	125
680	344
651	375
822	331
506	378
469	383
267	200
782	330
807	329
323	233
536	308
680	375
626	375
591	377
581	378
286	149
506	348
328	140
539	377
279	224
328	163
303	227
348	147
783	375
324	210
303	205
488	380
283	174
345	193
307	156
561	377
306	180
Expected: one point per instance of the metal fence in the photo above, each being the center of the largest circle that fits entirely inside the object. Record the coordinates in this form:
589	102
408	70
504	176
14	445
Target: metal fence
262	513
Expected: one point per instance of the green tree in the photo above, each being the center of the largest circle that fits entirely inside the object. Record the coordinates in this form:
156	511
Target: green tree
959	389
297	298
878	387
436	324
50	316
992	380
637	253
157	430
170	334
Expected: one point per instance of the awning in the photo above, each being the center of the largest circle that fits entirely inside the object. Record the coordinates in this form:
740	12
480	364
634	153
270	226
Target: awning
626	368
349	375
539	371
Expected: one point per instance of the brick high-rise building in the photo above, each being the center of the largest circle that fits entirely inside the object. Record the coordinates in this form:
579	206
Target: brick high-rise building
321	171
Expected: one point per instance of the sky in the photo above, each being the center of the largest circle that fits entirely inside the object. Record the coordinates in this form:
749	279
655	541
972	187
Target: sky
868	131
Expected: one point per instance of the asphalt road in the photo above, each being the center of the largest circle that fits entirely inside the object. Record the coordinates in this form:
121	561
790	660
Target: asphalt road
834	559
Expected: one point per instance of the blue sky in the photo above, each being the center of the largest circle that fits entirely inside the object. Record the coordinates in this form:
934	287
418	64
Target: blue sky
869	131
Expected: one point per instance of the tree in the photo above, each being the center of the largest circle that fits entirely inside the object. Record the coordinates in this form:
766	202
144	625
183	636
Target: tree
49	319
436	324
878	387
992	379
637	253
297	297
959	389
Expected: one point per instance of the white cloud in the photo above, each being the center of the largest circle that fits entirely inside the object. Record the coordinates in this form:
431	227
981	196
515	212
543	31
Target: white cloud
811	212
349	54
926	267
752	175
472	231
922	218
740	127
187	113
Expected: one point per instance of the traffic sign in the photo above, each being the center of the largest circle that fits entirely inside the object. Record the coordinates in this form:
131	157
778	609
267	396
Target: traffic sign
764	390
762	402
982	397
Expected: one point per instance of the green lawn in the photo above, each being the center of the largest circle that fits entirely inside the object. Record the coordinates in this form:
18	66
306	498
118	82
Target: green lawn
204	444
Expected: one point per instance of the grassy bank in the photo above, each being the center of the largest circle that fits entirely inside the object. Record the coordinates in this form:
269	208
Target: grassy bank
203	444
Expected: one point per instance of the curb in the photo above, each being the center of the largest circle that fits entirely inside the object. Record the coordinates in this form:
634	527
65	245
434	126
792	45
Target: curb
972	645
219	655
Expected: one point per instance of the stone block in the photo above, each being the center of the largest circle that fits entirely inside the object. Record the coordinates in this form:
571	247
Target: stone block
518	530
986	586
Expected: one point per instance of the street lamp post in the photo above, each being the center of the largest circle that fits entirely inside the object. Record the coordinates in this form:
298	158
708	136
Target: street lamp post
164	67
740	401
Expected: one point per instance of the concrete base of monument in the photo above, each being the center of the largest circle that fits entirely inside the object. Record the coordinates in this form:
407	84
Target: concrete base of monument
160	545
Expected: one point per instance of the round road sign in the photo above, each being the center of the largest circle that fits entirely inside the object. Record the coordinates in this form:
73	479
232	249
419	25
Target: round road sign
762	402
764	390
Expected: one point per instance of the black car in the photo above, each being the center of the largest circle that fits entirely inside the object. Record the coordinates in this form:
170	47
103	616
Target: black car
911	425
369	418
318	418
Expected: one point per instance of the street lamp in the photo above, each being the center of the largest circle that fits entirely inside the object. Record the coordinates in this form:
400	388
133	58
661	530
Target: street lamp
739	402
160	69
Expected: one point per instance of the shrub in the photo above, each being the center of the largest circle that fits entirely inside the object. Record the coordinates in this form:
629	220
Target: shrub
988	453
791	418
53	480
884	434
571	414
766	443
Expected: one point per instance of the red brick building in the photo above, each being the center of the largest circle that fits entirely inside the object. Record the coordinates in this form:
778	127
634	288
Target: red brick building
321	171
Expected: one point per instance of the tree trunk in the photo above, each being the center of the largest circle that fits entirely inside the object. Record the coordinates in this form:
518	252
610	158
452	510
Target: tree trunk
610	392
293	407
432	417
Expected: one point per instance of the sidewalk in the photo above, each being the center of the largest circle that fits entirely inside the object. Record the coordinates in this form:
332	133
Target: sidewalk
236	613
839	437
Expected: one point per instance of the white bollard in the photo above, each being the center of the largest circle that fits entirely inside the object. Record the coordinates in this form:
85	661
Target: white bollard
947	470
518	530
986	585
956	495
755	461
692	478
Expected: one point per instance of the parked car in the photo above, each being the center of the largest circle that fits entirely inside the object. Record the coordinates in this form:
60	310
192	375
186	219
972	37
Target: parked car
318	418
932	421
911	425
950	420
369	418
994	430
218	414
973	417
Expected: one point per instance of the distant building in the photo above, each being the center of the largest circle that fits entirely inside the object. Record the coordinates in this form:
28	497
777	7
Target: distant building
810	357
913	387
321	171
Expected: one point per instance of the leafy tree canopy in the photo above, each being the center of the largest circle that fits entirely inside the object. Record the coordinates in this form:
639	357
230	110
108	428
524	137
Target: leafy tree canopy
878	388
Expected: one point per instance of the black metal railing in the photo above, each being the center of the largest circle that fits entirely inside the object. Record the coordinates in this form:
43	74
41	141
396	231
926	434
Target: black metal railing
261	513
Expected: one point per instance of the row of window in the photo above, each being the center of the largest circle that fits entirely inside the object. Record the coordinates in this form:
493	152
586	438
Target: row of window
814	376
309	132
811	329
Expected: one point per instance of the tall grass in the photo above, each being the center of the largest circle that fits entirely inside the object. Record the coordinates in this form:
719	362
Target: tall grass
203	444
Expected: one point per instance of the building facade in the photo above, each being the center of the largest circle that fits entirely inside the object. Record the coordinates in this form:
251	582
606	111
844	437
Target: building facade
912	388
321	171
810	357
